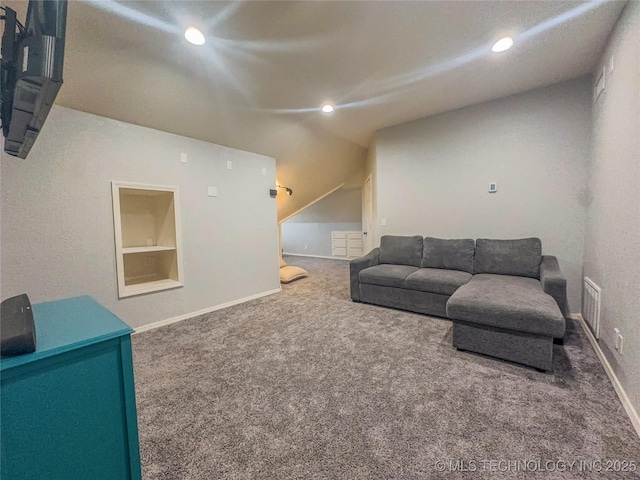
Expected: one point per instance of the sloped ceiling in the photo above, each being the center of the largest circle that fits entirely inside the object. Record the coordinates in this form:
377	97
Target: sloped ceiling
266	68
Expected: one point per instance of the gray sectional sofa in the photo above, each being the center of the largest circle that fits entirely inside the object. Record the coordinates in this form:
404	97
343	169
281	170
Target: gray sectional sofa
504	297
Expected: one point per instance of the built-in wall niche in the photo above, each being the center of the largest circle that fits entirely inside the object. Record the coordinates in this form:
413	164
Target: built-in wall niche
147	237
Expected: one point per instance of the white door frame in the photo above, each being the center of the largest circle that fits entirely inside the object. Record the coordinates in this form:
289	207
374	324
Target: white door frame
367	220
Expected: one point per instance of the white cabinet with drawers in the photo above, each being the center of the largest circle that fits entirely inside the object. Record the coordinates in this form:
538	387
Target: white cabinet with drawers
346	244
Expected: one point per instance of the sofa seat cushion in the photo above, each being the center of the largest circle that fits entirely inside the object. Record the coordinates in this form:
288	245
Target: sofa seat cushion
509	302
436	280
386	275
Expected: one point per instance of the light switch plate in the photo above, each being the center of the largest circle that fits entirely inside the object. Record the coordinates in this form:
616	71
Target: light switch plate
212	191
264	172
229	165
183	157
383	222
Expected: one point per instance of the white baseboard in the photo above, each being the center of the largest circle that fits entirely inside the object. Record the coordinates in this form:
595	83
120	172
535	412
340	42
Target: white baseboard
626	403
179	318
316	256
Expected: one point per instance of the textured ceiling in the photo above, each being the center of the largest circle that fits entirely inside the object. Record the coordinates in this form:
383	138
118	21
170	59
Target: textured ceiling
381	63
266	68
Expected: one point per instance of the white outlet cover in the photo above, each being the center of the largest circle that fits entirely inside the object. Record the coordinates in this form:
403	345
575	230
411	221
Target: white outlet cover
212	191
383	222
229	165
264	172
183	157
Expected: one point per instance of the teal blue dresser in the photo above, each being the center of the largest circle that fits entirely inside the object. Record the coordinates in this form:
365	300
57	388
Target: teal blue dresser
68	410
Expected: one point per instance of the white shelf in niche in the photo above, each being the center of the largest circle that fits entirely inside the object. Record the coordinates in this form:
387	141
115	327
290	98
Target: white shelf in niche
156	248
149	286
147	236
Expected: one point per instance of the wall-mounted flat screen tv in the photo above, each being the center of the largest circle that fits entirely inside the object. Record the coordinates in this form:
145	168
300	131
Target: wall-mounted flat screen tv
32	61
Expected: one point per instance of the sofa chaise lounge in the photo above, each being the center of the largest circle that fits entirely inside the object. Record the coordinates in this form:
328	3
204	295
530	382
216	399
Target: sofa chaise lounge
504	297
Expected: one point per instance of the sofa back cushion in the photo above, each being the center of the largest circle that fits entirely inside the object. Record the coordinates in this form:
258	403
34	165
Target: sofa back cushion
448	254
401	250
519	257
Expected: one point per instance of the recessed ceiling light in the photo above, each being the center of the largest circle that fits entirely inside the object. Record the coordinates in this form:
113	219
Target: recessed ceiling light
503	44
327	108
195	36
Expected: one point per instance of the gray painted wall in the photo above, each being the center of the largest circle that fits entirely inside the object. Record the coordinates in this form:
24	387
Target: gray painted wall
57	220
311	228
612	240
433	174
315	236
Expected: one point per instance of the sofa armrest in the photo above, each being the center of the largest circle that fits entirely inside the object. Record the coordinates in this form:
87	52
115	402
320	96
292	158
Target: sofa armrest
356	266
553	282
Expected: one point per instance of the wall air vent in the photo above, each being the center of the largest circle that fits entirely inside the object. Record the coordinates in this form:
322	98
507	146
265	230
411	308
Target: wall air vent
591	296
